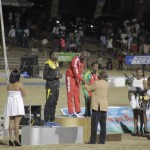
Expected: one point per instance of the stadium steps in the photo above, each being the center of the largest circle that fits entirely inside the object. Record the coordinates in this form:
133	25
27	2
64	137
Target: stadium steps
15	63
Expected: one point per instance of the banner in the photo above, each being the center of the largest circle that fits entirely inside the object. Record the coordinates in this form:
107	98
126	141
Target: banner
119	119
66	57
137	60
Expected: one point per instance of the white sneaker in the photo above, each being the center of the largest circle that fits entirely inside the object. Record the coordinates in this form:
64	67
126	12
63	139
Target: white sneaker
79	116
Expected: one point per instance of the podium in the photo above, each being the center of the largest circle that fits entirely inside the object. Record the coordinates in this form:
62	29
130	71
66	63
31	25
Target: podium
36	135
76	122
86	124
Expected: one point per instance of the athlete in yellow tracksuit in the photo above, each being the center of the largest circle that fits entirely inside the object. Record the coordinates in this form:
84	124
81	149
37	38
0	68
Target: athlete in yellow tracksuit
52	75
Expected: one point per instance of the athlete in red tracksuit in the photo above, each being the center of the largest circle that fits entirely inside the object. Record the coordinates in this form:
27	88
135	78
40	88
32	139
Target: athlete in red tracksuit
73	80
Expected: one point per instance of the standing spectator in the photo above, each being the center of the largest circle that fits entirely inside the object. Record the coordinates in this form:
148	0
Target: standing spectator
120	61
99	106
103	43
19	37
62	29
110	45
55	30
15	107
137	27
130	40
124	44
12	36
109	65
72	46
52	75
62	44
73	81
56	43
26	37
139	87
90	76
81	32
77	40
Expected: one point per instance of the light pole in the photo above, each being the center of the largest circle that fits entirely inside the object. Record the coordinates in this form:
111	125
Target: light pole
4	43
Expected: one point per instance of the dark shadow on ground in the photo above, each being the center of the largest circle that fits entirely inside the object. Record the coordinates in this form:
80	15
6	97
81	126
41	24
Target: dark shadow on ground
125	128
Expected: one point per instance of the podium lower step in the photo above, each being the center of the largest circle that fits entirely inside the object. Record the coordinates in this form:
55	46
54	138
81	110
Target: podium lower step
51	135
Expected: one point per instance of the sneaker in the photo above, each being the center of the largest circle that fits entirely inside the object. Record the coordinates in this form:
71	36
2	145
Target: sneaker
80	113
48	124
79	116
55	124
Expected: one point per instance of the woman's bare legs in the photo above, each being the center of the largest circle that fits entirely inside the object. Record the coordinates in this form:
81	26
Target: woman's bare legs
11	127
17	123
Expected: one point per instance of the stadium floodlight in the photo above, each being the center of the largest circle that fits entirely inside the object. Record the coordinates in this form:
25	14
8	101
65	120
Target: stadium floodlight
91	26
57	21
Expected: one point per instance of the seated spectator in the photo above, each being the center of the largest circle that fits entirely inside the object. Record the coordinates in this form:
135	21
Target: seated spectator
120	61
62	44
72	46
56	43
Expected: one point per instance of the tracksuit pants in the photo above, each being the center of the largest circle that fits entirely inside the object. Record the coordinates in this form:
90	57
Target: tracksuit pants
50	105
73	95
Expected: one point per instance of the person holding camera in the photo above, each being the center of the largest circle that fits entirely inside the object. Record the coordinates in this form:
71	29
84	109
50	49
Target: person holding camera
138	102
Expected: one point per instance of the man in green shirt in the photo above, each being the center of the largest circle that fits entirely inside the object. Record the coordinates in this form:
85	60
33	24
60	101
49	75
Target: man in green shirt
90	76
